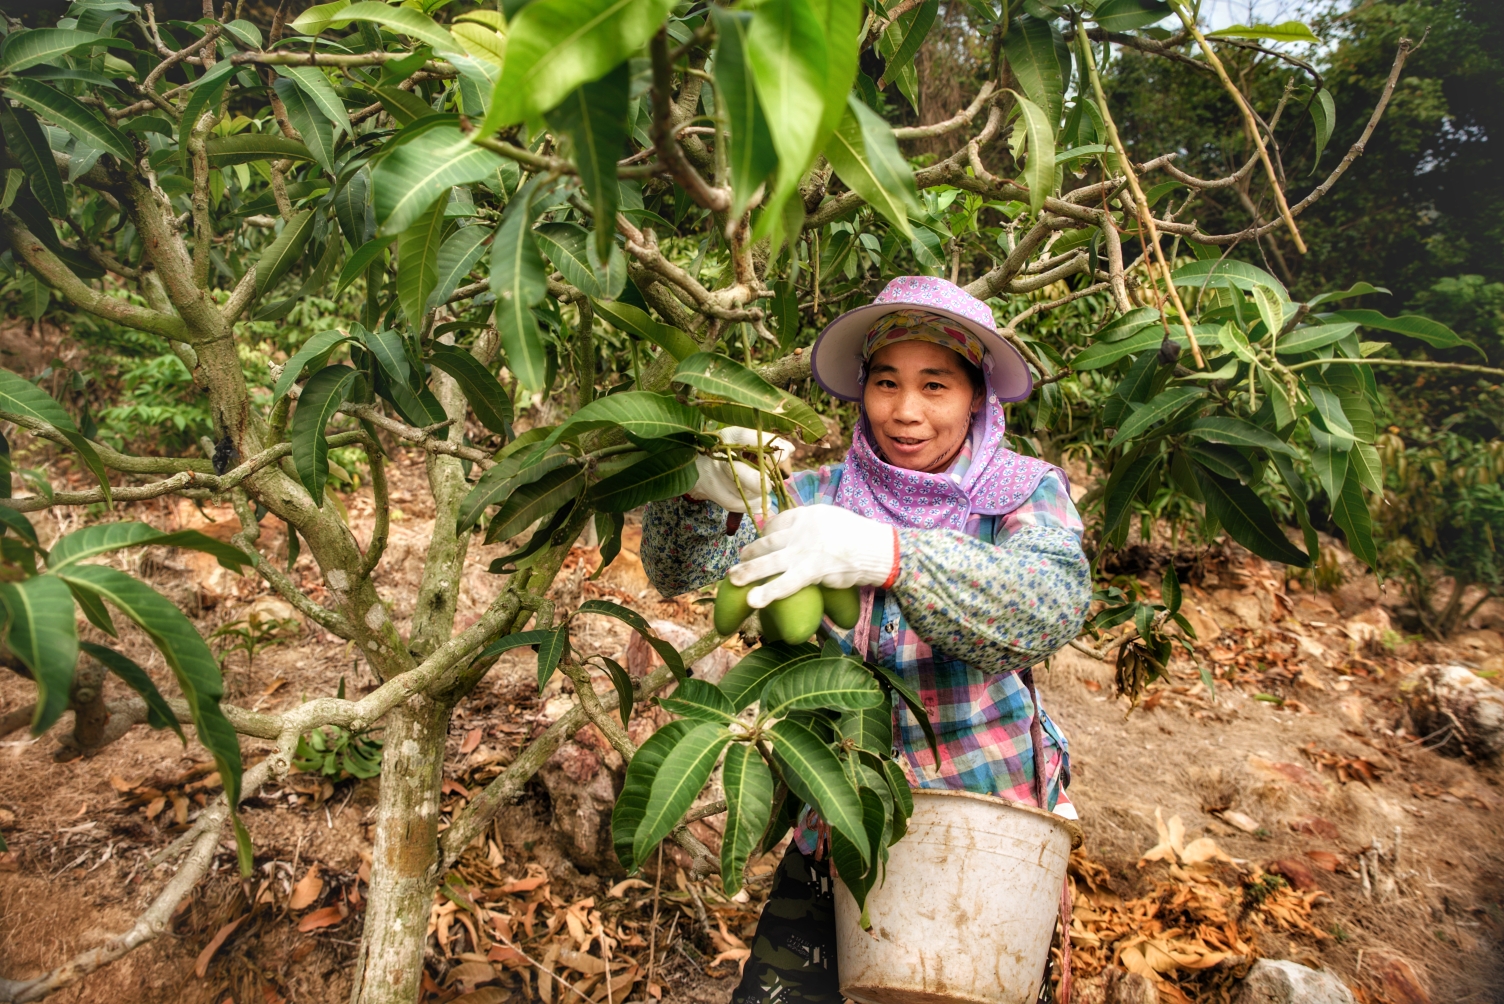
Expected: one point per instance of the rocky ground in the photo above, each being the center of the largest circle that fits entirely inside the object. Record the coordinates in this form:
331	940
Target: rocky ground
1313	805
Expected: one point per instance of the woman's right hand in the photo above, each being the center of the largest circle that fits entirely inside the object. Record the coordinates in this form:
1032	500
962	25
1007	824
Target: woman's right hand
738	486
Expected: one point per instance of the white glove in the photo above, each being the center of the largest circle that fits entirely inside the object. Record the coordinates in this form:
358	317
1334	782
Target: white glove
718	484
822	544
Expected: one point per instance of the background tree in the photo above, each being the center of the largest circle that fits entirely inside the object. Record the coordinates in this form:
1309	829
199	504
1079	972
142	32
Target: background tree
645	211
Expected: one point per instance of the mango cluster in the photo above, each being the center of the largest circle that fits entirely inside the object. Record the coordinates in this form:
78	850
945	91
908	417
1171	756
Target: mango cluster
791	619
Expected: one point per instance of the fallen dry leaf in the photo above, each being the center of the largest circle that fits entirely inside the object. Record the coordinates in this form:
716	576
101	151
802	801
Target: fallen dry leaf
472	740
524	885
307	891
1316	827
485	995
1171	840
273	687
470	974
454	788
1296	872
201	967
505	954
327	917
1402	983
620	889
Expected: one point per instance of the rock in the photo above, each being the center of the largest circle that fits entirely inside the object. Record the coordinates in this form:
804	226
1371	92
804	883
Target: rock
1295	872
1368	627
1279	981
582	790
1253	608
1481	643
1242	821
271	608
1402	984
1114	986
1453	702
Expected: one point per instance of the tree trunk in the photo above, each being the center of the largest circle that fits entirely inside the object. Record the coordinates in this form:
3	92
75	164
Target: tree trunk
389	969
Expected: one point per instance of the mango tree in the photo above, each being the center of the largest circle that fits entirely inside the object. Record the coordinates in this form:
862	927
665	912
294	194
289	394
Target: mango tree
644	209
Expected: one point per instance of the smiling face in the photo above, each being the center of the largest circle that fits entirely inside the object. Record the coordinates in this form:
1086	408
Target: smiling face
919	402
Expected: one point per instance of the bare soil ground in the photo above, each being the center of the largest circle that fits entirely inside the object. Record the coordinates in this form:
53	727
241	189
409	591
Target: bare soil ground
1336	838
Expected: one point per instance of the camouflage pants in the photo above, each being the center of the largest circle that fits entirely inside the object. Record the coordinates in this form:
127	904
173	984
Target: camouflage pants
794	955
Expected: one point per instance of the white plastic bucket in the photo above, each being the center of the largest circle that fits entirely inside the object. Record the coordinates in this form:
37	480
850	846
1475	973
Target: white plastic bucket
968	907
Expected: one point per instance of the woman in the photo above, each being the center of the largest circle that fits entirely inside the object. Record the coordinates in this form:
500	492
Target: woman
969	555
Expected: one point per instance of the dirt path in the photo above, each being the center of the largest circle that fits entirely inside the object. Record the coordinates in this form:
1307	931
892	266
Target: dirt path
1298	818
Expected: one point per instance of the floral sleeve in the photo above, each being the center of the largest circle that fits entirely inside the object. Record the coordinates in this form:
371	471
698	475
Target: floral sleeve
684	544
999	606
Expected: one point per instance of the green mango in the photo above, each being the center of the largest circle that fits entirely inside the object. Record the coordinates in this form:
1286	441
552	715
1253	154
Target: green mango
794	618
731	606
843	606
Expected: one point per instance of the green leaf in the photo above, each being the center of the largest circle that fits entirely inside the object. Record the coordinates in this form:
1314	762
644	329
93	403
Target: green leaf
314	352
243	148
1332	417
1215	272
1433	333
159	714
282	253
194	666
565	245
639	412
404	107
1330	464
1035	60
635	621
746	680
866	157
1170	589
19	396
17	522
662	475
636	321
27	48
488	399
105	537
753	157
457	256
720	377
40	630
627	814
749	805
594	117
531	502
519	279
26	141
909	37
787	51
316	19
1350	512
498	483
554	46
418	261
74	117
1165	405
1324	119
1309	339
1249	522
677	783
1039	169
322	396
1363	460
321	93
405	20
508	642
1126	481
1129	15
843	21
856	874
813	773
869	728
317	131
839	683
1289	31
625	696
408	180
551	650
1271	310
1143	338
365	254
1237	432
699	700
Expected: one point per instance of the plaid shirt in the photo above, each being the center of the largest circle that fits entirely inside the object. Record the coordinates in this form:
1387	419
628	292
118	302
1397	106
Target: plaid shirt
967	612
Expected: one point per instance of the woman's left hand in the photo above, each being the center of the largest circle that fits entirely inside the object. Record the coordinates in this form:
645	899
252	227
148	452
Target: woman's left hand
817	544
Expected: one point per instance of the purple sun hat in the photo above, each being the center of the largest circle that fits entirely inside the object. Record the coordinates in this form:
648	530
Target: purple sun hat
837	355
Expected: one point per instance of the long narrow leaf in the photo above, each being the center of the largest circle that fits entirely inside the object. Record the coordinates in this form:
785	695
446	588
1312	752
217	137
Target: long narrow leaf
626	816
321	398
106	537
19	396
40	630
749	804
678	781
487	397
812	772
159	714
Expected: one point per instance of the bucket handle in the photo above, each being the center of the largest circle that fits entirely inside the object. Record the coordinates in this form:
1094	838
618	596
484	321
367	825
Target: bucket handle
1036	740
